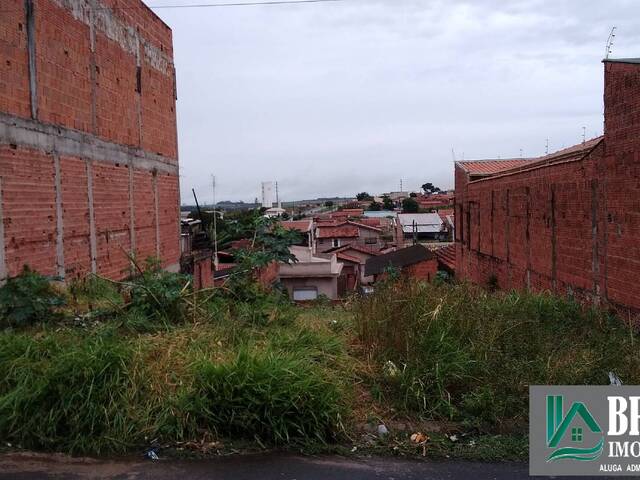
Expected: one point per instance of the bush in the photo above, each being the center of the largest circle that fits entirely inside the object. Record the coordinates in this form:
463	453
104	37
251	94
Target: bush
159	295
28	298
465	354
275	398
66	392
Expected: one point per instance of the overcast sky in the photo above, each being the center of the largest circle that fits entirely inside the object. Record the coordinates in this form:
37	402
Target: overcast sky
336	98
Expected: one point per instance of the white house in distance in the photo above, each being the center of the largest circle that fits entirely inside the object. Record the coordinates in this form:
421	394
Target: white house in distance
310	276
420	226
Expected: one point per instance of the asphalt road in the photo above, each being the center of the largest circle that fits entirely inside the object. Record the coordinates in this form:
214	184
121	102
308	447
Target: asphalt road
251	467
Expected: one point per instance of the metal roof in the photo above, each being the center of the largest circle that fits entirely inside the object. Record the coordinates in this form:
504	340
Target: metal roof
420	222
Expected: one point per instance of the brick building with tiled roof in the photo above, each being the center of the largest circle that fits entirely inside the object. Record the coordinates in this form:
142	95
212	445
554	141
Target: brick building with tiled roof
568	222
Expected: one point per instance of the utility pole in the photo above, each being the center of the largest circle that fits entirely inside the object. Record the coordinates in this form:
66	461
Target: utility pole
215	223
584	134
546	147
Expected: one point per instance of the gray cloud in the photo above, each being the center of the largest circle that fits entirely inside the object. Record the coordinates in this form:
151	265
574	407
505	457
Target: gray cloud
338	98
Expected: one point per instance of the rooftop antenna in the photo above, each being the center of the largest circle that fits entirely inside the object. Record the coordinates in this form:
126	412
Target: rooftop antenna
401	185
277	196
546	147
584	134
453	154
215	223
520	153
609	46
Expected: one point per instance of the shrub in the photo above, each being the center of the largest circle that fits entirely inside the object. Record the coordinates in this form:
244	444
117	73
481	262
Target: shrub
273	397
28	298
466	354
158	294
66	392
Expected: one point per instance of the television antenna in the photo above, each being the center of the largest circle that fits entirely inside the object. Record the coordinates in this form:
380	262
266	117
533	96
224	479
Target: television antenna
609	46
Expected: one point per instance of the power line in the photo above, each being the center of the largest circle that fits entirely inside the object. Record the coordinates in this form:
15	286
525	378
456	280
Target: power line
203	5
243	4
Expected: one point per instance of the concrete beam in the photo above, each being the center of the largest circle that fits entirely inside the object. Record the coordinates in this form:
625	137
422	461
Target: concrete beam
68	142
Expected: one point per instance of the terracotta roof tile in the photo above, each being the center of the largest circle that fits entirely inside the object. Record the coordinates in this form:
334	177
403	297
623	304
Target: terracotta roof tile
489	167
492	167
447	256
300	225
344	231
348	258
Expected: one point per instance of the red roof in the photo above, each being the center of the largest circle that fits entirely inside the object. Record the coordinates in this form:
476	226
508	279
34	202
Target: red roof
343	231
363	225
303	226
447	256
492	167
348	258
348	212
444	212
358	248
489	167
371	222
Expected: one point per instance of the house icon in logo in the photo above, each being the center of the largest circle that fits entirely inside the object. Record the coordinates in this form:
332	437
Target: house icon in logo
563	428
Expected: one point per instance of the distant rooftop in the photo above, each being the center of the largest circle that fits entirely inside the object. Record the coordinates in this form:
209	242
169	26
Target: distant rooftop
622	60
483	168
490	167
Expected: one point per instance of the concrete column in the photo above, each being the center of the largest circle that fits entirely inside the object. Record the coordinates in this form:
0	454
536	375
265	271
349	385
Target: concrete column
132	213
59	219
3	262
156	211
92	220
31	52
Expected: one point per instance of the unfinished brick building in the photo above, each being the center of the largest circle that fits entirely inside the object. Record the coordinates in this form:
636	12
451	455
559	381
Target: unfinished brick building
568	222
88	145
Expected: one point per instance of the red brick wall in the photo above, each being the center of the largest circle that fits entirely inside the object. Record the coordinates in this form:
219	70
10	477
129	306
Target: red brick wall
29	233
75	201
566	227
425	270
62	51
101	99
14	80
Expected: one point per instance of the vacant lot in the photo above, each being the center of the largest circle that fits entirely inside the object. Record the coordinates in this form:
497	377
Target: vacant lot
108	368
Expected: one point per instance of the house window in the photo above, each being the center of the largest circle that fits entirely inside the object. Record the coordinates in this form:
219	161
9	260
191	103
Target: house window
371	240
336	242
576	434
305	294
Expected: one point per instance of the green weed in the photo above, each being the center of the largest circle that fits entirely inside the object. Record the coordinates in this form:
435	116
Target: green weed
29	298
275	397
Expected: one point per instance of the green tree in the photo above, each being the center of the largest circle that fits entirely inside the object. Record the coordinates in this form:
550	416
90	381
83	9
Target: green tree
410	205
363	196
328	203
430	188
374	207
413	194
387	203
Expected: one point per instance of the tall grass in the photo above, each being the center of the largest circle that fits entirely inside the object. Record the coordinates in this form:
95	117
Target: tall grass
274	397
461	353
107	389
66	392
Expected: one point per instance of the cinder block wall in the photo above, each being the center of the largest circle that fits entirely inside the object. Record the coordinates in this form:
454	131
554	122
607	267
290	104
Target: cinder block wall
88	142
570	227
